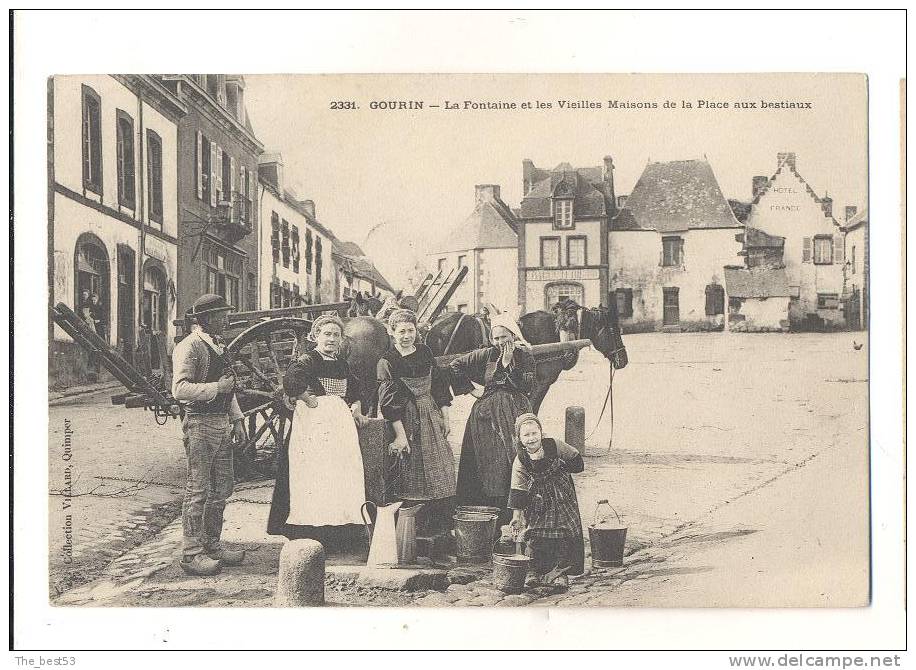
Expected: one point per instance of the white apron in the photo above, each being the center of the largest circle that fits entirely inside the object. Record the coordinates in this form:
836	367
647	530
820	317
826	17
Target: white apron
326	481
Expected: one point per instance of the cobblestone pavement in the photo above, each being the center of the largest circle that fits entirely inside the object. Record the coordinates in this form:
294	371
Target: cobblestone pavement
124	476
702	422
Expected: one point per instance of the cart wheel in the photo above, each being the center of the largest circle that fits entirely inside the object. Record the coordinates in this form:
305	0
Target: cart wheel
260	355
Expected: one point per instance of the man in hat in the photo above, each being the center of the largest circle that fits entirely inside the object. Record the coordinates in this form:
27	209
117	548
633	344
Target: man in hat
203	380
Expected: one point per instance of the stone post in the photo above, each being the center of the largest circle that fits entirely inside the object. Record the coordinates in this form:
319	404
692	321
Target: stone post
575	428
300	581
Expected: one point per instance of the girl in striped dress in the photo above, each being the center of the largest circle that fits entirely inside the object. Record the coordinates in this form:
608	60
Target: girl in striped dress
545	510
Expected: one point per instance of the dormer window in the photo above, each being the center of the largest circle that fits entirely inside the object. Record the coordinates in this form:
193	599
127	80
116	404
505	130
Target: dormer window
563	213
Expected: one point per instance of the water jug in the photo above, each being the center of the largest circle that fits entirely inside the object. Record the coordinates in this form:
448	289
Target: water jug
383	545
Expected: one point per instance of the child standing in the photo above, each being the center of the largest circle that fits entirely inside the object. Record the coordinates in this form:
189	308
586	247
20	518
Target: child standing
320	483
414	397
543	500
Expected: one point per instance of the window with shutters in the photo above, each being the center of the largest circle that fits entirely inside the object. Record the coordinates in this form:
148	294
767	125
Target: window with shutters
154	175
715	300
823	250
275	294
672	251
295	249
223	271
205	177
576	254
308	251
284	295
275	235
624	302
318	263
563	213
245	189
92	141
550	252
225	194
127	187
806	250
297	297
284	244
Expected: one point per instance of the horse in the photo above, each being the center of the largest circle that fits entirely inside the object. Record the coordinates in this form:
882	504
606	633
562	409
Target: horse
459	333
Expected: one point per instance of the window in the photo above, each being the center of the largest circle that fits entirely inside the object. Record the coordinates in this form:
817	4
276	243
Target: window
828	301
285	295
463	309
852	261
295	249
222	273
576	251
213	85
154	299
275	294
318	263
550	252
275	235
563	213
92	141
463	263
715	300
252	291
203	171
308	250
823	250
295	299
225	194
284	245
672	251
442	262
624	302
806	250
154	168
127	187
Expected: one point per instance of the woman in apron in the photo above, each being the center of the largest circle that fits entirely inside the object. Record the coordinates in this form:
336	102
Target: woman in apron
320	483
507	372
544	503
414	397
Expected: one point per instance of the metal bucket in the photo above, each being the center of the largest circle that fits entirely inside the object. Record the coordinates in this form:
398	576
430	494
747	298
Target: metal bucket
474	533
478	509
509	572
607	540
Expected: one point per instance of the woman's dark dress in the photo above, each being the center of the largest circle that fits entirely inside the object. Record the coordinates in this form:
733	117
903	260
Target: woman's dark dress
544	489
319	376
487	450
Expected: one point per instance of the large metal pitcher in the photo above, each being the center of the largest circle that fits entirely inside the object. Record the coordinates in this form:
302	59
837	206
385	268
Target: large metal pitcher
406	532
383	545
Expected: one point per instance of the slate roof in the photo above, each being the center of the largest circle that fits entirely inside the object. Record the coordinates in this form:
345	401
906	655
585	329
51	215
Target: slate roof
754	237
352	259
676	196
490	226
760	282
585	185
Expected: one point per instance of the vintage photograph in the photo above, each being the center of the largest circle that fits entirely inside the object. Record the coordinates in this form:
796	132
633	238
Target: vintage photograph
458	340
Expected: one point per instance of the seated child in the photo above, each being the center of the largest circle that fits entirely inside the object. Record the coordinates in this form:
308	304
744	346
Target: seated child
543	500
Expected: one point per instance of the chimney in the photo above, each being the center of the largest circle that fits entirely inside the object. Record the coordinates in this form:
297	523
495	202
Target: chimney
486	193
786	156
609	177
622	201
851	211
827	205
527	176
758	185
270	169
309	207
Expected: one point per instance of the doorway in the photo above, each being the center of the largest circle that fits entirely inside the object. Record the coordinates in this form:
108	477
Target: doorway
671	315
126	294
555	293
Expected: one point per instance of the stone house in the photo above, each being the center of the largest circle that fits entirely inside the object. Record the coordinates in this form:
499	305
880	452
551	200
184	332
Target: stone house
113	215
485	243
295	249
785	205
668	246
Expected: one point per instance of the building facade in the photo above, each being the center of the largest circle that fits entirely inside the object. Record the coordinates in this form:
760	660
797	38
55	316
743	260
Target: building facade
668	246
217	191
295	250
113	214
856	284
485	243
355	273
562	226
785	205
